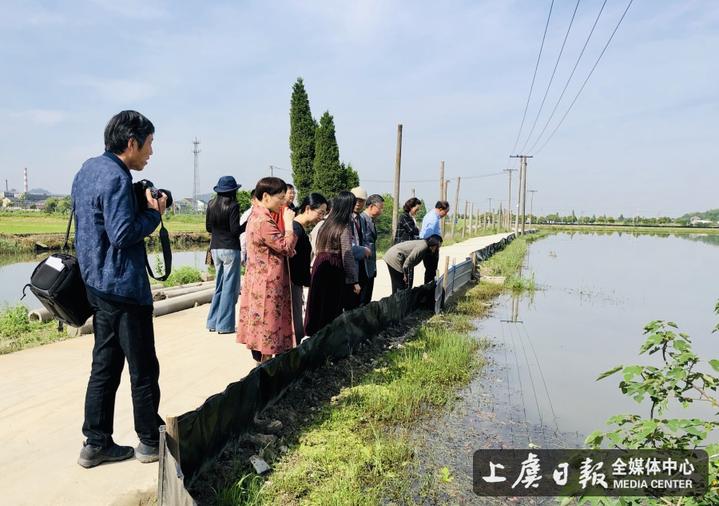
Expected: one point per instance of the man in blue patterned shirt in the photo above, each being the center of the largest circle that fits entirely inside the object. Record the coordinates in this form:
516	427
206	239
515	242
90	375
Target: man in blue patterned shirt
430	227
110	236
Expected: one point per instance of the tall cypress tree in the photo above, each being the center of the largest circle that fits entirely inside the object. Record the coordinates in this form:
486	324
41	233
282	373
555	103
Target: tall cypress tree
350	177
302	139
329	176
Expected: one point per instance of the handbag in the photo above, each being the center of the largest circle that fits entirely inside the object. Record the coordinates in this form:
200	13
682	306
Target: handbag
208	258
58	285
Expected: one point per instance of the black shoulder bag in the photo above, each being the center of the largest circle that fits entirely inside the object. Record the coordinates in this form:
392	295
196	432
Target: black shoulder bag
58	285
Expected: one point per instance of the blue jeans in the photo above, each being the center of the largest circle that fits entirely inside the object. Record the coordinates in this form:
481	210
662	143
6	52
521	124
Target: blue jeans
227	288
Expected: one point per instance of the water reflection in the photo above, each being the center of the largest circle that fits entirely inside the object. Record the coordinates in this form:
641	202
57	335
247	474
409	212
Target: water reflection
15	272
712	239
599	290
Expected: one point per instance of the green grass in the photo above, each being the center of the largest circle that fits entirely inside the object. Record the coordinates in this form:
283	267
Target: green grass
40	223
359	449
17	332
630	229
19	231
508	263
37	223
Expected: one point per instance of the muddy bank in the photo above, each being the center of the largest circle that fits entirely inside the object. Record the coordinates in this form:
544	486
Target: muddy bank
29	243
279	426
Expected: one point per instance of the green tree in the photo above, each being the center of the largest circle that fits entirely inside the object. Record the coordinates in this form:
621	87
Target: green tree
329	176
64	205
243	200
51	205
350	176
302	140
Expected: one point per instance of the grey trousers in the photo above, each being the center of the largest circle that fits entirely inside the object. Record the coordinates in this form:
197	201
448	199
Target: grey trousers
297	305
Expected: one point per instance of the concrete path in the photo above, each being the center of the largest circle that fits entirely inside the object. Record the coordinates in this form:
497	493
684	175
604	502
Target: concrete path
42	394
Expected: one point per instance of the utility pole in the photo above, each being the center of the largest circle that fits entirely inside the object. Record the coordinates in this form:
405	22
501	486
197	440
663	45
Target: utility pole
397	166
443	222
272	171
441	180
196	182
464	221
489	215
523	187
531	205
413	195
455	211
442	189
471	221
509	198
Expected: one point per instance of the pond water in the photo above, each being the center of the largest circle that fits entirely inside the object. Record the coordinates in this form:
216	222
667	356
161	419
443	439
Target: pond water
547	348
597	293
15	272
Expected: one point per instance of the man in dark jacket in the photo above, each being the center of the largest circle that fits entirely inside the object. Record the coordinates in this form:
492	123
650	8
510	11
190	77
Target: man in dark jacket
110	231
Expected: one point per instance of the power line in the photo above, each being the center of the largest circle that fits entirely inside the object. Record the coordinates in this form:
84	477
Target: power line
551	79
587	79
531	87
431	180
566	85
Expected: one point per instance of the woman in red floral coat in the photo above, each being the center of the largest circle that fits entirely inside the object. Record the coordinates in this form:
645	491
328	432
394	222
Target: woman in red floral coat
265	322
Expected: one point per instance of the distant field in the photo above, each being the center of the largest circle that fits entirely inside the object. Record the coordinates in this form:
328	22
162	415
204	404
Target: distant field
24	224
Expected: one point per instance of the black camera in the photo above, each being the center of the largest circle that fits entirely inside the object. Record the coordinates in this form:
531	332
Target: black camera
146	184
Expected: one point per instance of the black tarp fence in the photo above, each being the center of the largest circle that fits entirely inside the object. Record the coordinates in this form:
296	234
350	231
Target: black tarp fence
194	439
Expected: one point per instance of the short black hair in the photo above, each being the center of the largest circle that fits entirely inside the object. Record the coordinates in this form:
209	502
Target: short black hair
289	185
124	126
314	200
374	199
269	185
411	203
434	240
442	204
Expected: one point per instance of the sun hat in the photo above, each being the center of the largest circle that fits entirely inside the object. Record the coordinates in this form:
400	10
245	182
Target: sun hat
226	184
359	192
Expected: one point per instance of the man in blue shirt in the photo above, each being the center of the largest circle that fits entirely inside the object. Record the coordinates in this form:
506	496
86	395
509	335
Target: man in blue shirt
430	227
109	239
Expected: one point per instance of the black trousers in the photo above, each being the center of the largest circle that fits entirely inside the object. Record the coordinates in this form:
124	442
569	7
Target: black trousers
397	279
351	300
122	332
366	293
430	262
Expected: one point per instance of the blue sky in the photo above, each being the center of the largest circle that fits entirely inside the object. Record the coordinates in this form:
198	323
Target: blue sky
641	138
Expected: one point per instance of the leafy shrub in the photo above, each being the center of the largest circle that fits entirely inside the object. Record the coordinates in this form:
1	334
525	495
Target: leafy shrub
183	275
14	321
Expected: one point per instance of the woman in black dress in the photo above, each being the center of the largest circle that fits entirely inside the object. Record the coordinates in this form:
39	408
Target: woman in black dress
407	229
334	265
311	210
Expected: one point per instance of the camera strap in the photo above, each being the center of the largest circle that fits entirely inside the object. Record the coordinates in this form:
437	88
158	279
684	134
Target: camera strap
166	254
65	246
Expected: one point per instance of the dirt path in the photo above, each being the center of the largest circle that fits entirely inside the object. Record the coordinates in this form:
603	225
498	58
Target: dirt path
42	396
